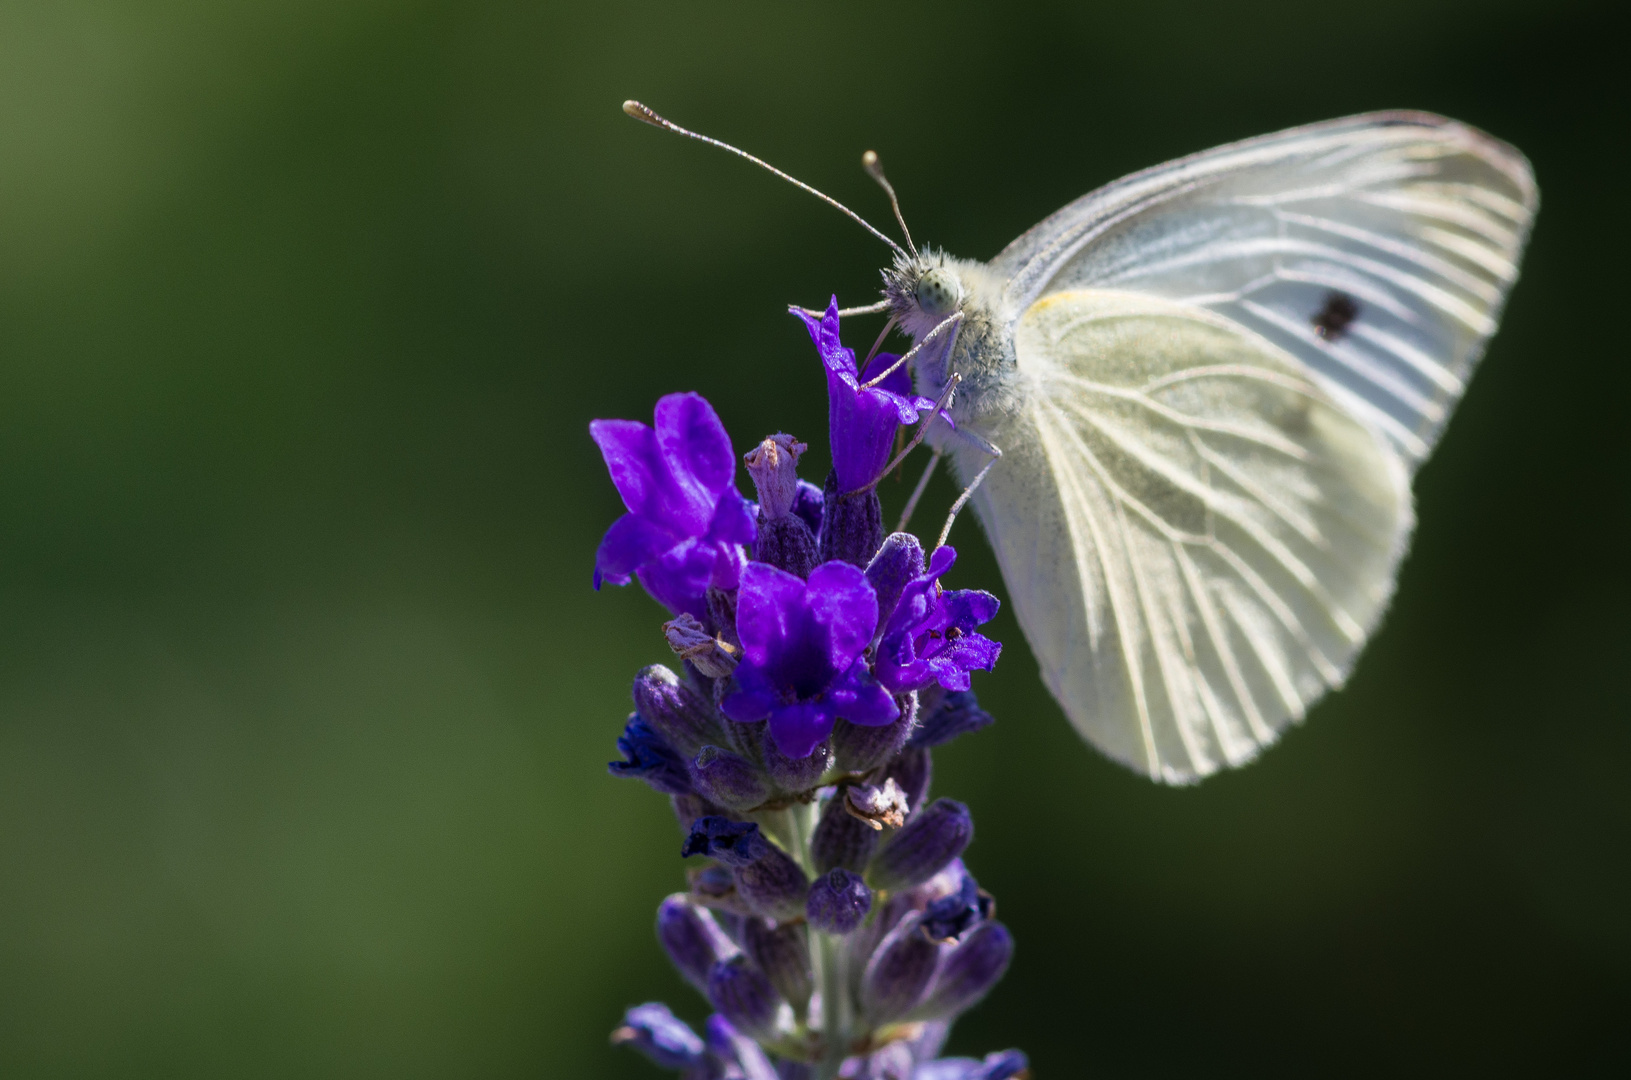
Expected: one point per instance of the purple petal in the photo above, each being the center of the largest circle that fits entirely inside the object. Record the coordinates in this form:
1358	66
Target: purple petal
770	612
860	700
800	727
734	519
630	452
630	542
897	382
843	603
678	579
695	446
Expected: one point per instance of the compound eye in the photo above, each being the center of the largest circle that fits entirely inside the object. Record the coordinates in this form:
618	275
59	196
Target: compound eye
939	292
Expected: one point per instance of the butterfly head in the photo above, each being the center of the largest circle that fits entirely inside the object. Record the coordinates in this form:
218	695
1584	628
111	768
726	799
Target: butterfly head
923	291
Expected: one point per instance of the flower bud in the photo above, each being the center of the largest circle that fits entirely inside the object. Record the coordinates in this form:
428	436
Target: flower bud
692	642
691	938
946	715
898	973
838	903
898	562
661	1036
796	775
912	770
877	805
858	748
768	880
782	952
934	837
744	996
650	758
728	780
807	506
969	971
851	524
675	711
841	840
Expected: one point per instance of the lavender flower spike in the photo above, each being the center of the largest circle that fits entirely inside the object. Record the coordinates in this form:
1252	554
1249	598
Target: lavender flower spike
686	520
834	928
802	645
930	636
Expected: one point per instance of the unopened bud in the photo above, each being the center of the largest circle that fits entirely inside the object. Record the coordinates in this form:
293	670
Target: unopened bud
859	748
691	938
841	840
898	562
969	971
728	779
795	775
878	805
744	996
898	973
690	641
838	903
782	952
673	709
934	837
947	714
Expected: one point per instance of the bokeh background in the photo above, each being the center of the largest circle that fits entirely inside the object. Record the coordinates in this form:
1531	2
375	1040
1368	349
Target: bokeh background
305	701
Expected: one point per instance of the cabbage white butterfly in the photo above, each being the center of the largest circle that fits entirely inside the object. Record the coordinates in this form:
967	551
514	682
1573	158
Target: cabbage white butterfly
1190	403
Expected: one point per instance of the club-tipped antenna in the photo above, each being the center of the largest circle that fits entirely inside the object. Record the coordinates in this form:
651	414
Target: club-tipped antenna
646	115
874	169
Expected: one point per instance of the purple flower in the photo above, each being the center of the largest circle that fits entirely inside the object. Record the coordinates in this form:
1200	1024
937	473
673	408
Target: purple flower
686	520
930	635
861	422
802	646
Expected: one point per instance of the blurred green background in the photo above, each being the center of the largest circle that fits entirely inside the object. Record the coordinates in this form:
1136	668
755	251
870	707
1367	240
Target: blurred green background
305	701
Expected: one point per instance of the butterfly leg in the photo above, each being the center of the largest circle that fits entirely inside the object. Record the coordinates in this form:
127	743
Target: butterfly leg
917	492
985	446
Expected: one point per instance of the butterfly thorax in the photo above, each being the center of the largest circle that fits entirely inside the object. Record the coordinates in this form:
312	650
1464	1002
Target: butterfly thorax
923	293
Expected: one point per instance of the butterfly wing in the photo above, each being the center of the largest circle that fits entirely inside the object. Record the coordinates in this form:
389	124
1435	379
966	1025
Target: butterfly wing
1377	250
1196	538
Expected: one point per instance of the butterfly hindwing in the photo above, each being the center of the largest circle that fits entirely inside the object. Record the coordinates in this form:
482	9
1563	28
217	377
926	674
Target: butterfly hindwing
1196	537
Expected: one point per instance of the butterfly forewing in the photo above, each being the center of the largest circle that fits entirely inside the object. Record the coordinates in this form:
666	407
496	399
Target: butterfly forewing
1376	250
1196	537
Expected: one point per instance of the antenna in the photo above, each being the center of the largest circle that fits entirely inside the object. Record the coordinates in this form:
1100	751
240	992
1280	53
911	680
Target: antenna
645	115
874	169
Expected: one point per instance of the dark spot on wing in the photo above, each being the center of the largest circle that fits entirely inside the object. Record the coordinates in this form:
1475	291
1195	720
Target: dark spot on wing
1331	322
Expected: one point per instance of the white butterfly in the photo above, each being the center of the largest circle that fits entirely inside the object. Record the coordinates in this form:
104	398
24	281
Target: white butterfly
1210	383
